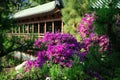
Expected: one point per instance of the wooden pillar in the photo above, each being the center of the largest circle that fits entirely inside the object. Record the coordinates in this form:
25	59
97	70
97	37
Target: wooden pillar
62	28
27	28
38	29
32	28
45	28
23	28
32	36
53	26
19	30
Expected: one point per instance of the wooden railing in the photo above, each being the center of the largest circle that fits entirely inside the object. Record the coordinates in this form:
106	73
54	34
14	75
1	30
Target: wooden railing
25	35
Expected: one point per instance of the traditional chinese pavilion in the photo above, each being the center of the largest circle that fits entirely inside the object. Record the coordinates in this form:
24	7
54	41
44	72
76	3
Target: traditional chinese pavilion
38	20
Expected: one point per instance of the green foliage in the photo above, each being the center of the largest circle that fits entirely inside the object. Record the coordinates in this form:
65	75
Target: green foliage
9	75
106	20
72	12
7	67
38	2
117	74
9	61
36	73
55	72
105	64
76	72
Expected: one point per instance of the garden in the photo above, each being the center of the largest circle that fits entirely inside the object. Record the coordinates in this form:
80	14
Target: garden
87	50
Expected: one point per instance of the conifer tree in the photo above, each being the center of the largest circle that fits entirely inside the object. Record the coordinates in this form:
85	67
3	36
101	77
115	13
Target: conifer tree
71	14
108	13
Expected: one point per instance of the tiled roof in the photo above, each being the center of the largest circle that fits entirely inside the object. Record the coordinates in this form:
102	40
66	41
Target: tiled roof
47	7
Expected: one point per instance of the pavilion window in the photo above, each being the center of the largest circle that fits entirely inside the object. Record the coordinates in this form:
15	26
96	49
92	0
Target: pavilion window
57	26
49	27
42	28
35	28
30	28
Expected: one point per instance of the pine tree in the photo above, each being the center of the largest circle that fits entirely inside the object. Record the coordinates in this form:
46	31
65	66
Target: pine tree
106	10
71	14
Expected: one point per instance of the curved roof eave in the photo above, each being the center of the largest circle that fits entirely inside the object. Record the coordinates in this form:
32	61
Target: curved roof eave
36	10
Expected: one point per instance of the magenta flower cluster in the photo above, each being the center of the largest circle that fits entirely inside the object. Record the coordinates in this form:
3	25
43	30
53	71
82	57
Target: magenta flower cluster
59	48
89	37
86	25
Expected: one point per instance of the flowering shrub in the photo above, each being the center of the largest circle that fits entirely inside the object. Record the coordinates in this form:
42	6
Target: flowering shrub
89	37
59	48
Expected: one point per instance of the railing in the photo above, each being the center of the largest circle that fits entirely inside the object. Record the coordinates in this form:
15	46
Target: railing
25	35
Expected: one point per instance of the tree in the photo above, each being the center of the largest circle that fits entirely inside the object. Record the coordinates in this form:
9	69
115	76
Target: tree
38	2
108	12
71	14
8	45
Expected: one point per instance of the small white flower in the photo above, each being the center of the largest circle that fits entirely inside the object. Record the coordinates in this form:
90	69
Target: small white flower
47	78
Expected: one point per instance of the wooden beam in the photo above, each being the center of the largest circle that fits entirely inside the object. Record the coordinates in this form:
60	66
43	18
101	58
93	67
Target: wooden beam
41	21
